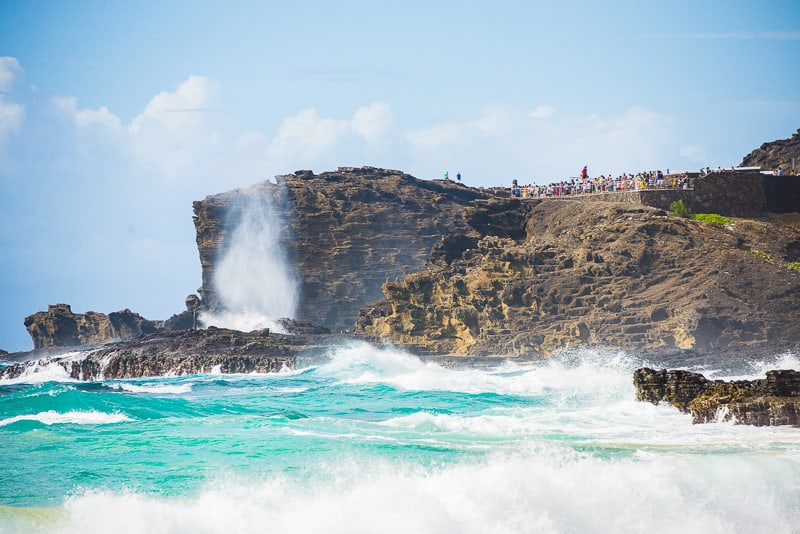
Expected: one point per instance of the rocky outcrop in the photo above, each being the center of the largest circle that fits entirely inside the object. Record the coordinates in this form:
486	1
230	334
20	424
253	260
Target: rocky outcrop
185	352
783	154
627	276
59	327
345	232
774	400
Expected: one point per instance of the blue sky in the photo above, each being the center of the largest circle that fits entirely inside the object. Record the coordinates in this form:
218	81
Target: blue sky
115	116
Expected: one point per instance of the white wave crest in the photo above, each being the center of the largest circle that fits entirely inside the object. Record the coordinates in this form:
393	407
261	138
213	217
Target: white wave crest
543	489
51	417
587	372
154	388
48	369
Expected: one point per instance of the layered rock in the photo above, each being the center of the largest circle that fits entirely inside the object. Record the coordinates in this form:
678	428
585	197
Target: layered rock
345	232
774	400
59	327
185	352
627	276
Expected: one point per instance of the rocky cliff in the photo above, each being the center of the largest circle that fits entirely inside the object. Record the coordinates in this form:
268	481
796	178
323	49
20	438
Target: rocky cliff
607	273
774	400
346	232
783	154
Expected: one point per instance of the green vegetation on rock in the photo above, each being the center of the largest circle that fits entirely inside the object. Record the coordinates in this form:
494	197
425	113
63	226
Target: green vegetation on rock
711	218
763	255
679	209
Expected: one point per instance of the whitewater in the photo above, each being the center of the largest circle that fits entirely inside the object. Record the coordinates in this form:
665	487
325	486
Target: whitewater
373	439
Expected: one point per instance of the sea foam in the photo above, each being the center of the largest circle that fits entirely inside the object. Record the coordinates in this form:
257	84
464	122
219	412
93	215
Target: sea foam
51	417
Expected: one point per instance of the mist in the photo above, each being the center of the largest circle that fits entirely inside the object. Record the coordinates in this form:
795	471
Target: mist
254	281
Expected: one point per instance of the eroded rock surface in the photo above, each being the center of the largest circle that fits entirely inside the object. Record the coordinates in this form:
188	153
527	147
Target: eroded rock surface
345	232
183	352
606	273
774	400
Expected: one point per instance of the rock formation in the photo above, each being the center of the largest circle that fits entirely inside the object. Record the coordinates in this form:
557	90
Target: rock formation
783	154
346	233
774	400
60	327
184	352
607	273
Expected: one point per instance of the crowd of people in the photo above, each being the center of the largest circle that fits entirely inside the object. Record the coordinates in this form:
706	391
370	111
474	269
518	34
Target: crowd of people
583	184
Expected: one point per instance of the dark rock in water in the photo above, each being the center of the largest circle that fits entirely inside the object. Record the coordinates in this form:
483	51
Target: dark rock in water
774	400
184	352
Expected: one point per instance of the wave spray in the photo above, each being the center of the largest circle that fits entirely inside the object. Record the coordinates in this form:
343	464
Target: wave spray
254	280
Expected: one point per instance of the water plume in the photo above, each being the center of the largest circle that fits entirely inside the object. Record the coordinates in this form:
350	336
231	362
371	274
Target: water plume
254	280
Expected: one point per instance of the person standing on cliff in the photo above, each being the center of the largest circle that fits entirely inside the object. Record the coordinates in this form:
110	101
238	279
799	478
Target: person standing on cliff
458	176
446	175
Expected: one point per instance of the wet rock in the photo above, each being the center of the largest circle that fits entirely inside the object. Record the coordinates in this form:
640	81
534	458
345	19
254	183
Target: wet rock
774	400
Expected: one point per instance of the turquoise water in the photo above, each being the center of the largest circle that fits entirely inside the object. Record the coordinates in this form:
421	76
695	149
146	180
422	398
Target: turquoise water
375	440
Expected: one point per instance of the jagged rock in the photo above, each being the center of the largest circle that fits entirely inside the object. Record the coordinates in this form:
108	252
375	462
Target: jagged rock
774	400
370	225
184	352
615	274
60	327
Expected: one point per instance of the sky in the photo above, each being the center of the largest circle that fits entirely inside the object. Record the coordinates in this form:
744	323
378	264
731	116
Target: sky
115	116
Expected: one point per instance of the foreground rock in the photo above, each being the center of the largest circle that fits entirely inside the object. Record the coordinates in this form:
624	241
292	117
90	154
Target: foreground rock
774	400
181	353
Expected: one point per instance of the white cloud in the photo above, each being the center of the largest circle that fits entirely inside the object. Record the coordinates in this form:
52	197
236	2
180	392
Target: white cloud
11	116
11	113
503	143
543	112
9	70
309	140
85	118
373	123
178	131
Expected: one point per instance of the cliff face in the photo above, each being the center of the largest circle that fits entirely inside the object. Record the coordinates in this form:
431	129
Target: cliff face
780	154
346	233
602	273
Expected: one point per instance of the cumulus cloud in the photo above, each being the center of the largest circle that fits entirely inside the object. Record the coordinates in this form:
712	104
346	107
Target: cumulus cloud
84	118
308	139
506	143
176	128
10	69
543	112
11	113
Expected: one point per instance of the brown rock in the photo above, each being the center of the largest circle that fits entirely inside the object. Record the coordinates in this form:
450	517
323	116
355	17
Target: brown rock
774	400
60	327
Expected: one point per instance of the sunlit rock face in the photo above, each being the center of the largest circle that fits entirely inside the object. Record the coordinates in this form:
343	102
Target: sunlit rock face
602	273
343	234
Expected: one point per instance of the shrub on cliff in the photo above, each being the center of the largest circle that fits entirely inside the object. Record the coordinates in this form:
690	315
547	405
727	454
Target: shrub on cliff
678	209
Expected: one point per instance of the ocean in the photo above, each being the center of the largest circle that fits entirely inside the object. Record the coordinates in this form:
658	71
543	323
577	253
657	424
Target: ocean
373	439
